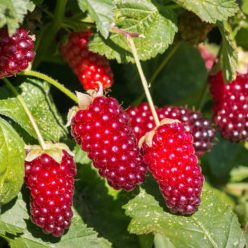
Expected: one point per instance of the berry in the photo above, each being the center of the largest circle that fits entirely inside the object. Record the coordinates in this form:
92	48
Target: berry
208	57
172	161
16	52
103	131
200	127
52	187
89	67
231	106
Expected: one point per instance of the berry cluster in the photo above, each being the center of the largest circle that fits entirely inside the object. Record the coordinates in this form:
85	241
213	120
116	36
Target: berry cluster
16	52
103	131
89	67
172	161
231	106
200	127
52	187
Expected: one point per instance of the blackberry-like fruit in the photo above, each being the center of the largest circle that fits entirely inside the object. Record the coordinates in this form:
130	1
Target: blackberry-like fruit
231	106
171	158
103	131
89	67
200	127
52	187
16	52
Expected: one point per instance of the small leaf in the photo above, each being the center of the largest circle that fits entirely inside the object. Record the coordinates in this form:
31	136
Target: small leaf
142	17
213	225
229	53
210	10
36	96
101	11
12	13
11	162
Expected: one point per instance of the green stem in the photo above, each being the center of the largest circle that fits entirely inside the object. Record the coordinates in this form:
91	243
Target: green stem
30	116
203	96
143	80
52	82
51	31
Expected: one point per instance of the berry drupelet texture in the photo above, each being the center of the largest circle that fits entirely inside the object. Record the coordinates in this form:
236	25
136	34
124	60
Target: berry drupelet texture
52	188
103	131
200	127
172	161
89	67
16	52
231	106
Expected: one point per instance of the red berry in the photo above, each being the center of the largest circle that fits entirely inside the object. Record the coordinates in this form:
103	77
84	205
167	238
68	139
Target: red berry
89	67
16	52
208	57
52	187
103	131
172	161
200	127
231	106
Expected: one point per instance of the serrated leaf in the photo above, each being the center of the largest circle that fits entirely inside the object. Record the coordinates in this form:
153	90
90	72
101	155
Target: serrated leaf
101	11
213	225
12	13
12	155
142	17
16	220
229	53
210	10
36	96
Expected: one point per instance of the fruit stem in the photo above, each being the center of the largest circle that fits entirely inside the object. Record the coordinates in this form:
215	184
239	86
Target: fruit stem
143	80
29	114
52	82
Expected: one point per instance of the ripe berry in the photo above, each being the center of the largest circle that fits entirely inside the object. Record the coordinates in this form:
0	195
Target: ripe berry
231	106
16	52
200	127
52	187
208	57
103	131
89	67
172	161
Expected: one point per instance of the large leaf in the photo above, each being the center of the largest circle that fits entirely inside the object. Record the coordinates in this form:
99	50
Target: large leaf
214	225
143	17
229	54
11	162
14	220
12	13
35	94
210	10
101	11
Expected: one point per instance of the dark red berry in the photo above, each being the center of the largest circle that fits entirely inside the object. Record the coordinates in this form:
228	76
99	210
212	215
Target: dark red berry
16	52
52	187
200	127
172	161
89	67
231	106
103	131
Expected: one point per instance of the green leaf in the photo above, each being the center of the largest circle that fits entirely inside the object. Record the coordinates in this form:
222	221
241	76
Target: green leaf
229	53
12	156
36	96
213	225
239	174
101	11
143	17
210	10
15	220
12	13
245	6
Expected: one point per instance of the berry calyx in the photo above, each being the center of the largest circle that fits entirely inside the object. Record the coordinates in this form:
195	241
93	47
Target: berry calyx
16	52
200	127
171	159
103	131
50	179
89	67
231	106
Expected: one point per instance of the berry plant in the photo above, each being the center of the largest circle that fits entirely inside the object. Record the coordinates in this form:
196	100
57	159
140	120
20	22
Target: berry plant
123	124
